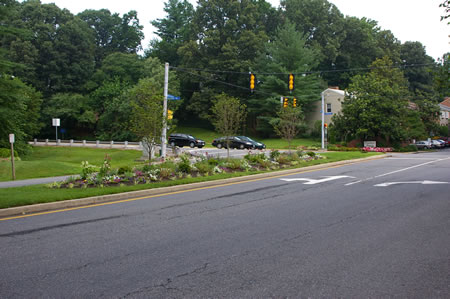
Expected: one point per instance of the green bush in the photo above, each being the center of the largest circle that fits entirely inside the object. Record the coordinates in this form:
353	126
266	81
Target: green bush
184	165
204	167
311	154
213	161
409	148
274	154
125	169
87	169
6	153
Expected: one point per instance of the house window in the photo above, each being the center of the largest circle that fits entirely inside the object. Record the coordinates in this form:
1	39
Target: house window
328	108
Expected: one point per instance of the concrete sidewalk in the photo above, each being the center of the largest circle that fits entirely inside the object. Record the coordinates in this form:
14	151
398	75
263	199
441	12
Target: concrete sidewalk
21	183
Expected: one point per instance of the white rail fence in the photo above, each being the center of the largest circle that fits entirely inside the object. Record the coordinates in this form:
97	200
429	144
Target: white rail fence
88	143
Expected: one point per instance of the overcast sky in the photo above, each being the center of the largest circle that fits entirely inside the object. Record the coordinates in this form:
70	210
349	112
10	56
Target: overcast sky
409	20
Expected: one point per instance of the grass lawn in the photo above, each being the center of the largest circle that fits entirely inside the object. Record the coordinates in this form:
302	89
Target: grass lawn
271	143
57	161
11	197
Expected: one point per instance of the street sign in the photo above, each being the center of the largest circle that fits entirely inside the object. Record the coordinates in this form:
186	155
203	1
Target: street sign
55	122
11	138
172	97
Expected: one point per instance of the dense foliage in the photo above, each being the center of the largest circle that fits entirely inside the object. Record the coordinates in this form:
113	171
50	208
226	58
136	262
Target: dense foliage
84	68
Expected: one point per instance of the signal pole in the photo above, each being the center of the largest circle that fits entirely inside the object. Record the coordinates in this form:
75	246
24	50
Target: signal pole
323	120
166	91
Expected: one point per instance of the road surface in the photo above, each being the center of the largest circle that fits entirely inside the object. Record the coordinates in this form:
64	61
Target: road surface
366	230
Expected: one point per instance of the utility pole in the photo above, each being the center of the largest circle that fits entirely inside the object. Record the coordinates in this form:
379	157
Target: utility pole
323	120
166	91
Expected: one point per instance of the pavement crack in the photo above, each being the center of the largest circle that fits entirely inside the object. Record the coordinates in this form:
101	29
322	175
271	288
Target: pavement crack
46	228
168	282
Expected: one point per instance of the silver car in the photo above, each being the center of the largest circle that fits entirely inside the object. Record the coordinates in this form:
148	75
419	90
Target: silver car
423	144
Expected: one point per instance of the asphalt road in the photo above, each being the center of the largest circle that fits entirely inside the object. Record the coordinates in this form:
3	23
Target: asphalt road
376	229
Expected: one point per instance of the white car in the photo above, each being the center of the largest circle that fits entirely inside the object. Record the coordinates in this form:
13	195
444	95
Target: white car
437	144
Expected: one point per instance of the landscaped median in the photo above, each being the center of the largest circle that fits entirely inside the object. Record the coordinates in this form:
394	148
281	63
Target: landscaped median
32	199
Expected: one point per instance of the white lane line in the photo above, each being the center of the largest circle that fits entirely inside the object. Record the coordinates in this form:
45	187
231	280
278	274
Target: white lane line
411	182
396	171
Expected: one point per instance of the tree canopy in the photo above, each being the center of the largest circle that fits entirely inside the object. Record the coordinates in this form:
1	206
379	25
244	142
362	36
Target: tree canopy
84	67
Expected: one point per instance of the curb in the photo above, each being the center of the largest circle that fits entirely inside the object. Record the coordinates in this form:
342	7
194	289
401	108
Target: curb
73	203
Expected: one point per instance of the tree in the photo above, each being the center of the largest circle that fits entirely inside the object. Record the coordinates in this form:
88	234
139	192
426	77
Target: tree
442	77
58	50
228	34
288	53
321	22
77	116
289	123
227	117
420	78
360	36
19	112
147	113
375	106
126	67
446	6
113	33
173	31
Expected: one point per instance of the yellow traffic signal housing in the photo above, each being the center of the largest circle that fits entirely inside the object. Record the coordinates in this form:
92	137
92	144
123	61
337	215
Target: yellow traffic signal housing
252	81
285	102
169	114
294	103
291	82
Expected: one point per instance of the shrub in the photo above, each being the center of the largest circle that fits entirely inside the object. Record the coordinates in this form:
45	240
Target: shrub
311	154
257	158
184	165
213	161
204	167
274	154
6	153
409	148
106	167
87	170
165	173
125	169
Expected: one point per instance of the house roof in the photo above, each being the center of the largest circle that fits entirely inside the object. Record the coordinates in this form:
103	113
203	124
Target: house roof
338	91
445	102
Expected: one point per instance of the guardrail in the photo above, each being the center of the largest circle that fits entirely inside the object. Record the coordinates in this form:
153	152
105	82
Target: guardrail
87	143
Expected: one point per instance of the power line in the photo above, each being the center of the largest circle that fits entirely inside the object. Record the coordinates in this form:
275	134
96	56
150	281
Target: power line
307	72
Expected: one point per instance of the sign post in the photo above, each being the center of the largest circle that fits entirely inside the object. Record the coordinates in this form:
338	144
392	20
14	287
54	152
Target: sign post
11	140
56	123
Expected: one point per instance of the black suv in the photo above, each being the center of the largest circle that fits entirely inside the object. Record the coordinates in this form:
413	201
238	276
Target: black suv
185	140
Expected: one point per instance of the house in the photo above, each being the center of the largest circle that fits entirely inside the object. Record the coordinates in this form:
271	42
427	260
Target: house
444	107
333	98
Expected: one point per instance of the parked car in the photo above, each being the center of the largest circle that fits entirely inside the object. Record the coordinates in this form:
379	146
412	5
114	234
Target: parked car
446	140
437	144
444	143
185	140
423	144
234	142
256	144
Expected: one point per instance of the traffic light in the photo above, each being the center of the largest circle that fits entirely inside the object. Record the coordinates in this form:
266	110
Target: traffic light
325	125
285	102
169	114
252	81
291	82
294	103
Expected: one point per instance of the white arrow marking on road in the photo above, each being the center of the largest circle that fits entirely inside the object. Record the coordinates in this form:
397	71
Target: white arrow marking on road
313	181
412	182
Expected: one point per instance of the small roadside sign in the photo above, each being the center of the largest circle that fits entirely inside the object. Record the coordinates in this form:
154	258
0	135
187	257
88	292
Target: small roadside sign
172	97
11	138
